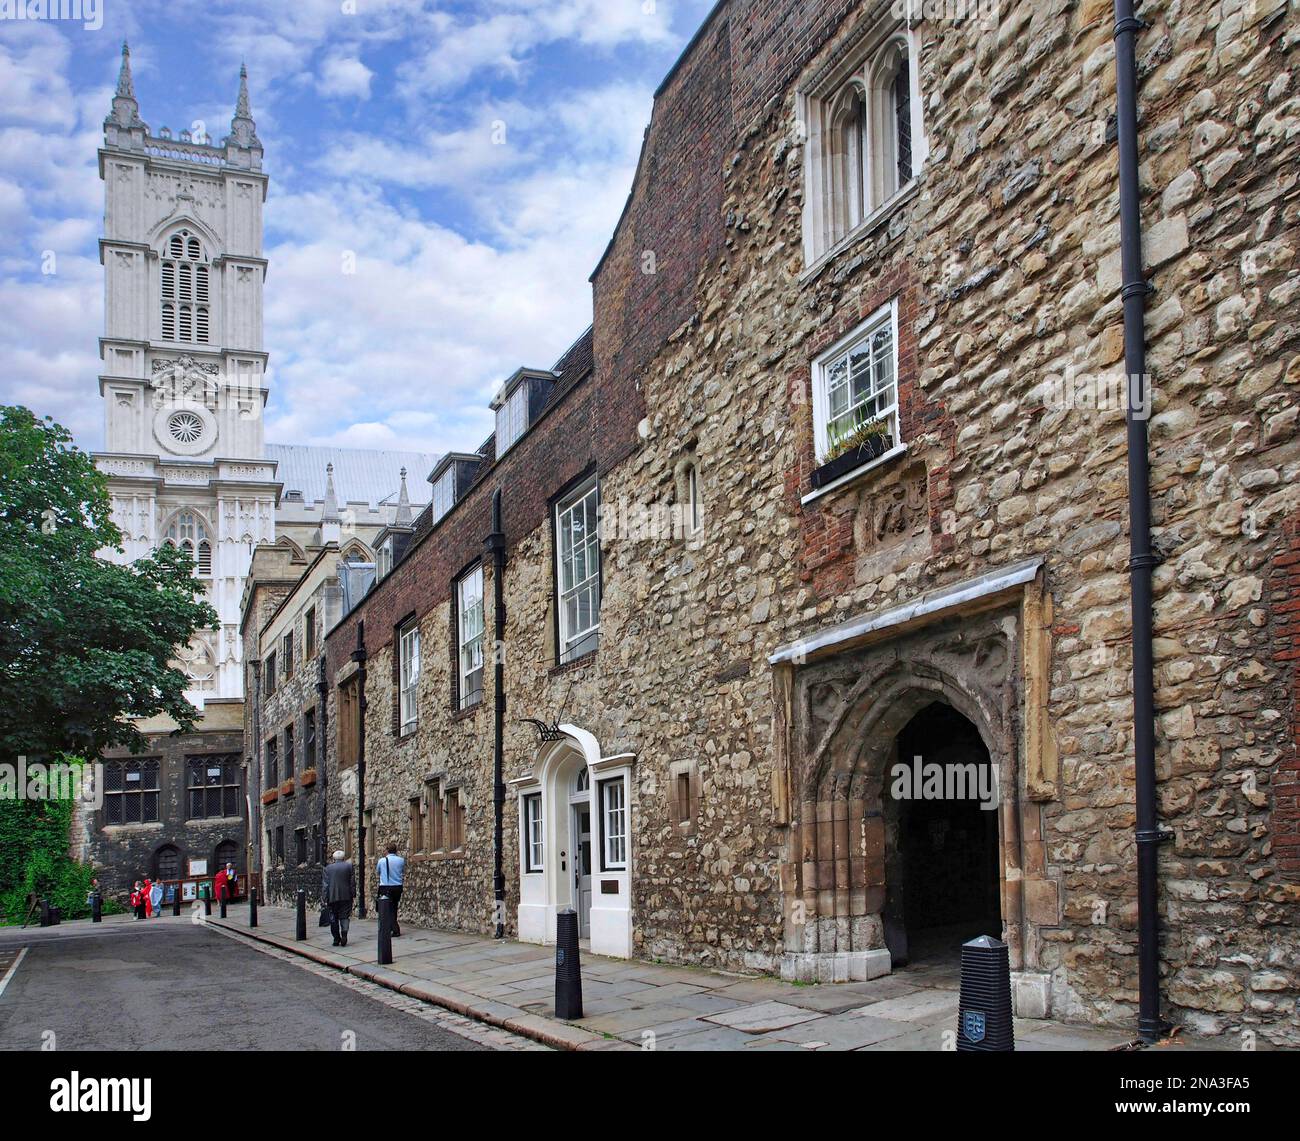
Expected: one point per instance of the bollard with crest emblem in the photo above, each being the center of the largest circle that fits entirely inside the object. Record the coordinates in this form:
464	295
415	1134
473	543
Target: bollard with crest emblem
984	1010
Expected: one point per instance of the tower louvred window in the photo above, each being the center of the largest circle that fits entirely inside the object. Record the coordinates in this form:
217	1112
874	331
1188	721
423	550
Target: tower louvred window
184	278
188	532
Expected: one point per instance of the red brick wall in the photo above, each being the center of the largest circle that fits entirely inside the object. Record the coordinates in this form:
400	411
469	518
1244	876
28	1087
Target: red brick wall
566	441
827	523
1284	593
674	215
772	42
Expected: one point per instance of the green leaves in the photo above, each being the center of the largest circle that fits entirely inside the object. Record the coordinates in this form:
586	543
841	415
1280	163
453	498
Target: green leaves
84	642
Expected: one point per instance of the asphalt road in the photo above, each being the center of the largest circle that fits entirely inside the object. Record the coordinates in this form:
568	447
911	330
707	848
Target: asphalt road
176	986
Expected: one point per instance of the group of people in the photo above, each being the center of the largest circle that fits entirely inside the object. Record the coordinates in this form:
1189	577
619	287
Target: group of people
146	898
338	887
147	894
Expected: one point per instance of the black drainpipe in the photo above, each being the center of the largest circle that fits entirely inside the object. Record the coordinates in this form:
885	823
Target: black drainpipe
359	656
496	543
322	758
1141	560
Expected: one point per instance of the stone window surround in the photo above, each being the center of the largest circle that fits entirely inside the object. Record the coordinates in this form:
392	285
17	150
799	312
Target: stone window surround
684	776
857	53
439	791
689	487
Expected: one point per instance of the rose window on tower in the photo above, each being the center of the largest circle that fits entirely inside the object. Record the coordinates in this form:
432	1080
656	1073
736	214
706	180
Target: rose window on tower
185	427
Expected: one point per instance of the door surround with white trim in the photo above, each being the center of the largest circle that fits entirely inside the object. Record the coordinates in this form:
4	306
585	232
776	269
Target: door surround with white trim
546	801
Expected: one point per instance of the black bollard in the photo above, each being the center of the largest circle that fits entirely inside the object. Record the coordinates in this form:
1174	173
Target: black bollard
301	932
252	907
47	919
207	904
984	1010
223	906
384	906
96	908
568	971
176	900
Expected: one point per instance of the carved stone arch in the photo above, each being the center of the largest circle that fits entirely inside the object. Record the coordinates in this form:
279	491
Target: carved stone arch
160	234
850	710
356	551
871	713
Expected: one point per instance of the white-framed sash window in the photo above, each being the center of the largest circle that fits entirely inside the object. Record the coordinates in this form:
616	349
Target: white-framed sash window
469	634
855	383
613	824
534	835
444	493
577	533
409	676
512	419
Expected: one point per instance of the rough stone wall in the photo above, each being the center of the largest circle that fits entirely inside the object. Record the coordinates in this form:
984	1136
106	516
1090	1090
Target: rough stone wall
1005	262
1007	257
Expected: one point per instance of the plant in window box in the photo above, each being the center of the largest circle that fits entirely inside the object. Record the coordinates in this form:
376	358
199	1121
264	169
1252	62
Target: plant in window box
307	778
851	448
270	796
286	787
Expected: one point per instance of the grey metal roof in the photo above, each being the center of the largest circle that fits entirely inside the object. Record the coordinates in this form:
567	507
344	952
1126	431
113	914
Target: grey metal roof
359	473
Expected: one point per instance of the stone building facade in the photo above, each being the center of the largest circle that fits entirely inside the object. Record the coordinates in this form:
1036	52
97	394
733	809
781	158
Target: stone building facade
857	233
175	812
286	621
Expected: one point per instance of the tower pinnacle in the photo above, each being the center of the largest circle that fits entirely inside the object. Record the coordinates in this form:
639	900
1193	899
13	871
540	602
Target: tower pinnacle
243	131
126	111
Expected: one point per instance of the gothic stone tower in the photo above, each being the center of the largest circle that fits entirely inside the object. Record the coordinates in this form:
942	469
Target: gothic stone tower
183	363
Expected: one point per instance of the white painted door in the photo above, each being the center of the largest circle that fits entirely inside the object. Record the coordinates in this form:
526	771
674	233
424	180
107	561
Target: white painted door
582	867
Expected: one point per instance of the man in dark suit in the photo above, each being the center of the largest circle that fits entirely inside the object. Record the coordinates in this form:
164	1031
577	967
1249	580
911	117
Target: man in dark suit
336	892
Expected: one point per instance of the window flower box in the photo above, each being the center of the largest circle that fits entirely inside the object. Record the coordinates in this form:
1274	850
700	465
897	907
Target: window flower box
270	796
307	778
286	788
871	447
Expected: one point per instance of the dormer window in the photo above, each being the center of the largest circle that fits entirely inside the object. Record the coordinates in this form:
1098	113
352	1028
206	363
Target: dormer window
512	419
384	558
517	402
444	493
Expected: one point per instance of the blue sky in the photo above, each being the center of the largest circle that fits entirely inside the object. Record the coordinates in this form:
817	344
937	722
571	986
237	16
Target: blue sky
378	120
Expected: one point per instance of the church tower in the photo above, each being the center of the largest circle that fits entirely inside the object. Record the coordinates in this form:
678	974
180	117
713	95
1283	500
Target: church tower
184	367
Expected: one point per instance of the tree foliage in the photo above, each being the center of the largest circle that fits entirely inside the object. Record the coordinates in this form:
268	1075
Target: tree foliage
85	644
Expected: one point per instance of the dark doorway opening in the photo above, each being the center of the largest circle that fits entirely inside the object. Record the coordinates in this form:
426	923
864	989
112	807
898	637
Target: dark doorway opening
942	867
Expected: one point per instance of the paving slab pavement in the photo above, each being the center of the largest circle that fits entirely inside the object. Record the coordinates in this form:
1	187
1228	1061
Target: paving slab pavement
634	1004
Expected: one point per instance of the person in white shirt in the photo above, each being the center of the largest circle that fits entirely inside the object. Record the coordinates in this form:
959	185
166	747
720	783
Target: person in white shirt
392	873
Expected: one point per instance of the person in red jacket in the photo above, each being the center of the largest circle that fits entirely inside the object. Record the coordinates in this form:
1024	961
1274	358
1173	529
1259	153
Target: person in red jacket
147	899
137	900
221	886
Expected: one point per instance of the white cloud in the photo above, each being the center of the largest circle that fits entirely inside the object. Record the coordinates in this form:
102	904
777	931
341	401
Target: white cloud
456	49
341	78
472	256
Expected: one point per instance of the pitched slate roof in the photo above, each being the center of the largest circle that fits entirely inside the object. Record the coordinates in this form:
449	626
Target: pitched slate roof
359	473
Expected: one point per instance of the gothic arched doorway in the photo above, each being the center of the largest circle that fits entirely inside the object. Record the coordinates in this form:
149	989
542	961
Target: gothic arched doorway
942	871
